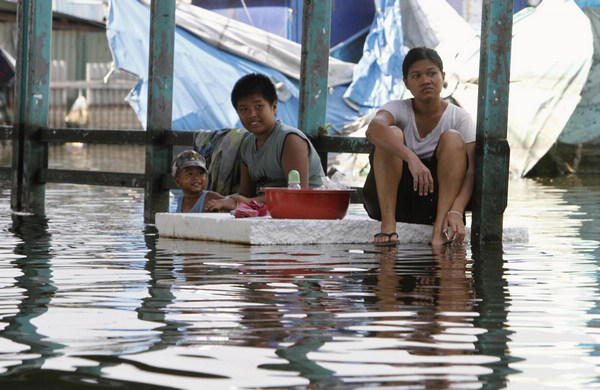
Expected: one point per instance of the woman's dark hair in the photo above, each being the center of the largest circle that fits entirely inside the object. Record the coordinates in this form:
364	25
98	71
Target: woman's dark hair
418	54
253	84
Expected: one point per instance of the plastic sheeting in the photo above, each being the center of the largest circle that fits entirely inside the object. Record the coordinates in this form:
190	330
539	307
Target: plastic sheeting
398	26
550	61
252	43
584	124
204	72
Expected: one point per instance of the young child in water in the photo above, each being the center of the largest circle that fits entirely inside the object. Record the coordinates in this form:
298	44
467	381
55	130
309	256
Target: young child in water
189	171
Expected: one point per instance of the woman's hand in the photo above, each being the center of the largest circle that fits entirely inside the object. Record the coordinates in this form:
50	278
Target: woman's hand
453	227
422	178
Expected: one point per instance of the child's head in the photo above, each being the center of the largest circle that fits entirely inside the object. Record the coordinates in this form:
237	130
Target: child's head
189	171
418	54
253	84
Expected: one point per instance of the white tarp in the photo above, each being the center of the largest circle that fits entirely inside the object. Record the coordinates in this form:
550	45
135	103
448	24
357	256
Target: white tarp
584	124
252	43
551	56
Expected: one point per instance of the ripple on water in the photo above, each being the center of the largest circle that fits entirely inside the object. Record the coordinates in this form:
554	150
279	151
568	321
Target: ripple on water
91	294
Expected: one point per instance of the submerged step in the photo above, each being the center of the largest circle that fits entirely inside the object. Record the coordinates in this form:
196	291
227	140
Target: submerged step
352	229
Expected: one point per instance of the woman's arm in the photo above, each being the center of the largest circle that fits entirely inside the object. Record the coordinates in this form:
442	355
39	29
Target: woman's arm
379	134
466	190
386	136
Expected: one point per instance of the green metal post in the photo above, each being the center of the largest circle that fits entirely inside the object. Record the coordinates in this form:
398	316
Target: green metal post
316	27
160	106
492	150
34	21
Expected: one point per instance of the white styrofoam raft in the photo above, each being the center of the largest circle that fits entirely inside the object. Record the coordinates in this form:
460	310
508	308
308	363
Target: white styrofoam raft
353	229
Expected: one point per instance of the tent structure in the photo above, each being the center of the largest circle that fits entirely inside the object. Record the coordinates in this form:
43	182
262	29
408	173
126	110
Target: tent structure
551	56
553	92
211	53
584	124
554	74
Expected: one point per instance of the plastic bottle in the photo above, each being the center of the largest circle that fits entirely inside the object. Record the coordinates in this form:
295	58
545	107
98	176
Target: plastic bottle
293	180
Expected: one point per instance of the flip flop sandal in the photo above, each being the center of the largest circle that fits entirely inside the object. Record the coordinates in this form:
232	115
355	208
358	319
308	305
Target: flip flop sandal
389	242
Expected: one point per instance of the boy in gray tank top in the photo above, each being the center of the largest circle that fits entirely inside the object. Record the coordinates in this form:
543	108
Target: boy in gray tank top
272	149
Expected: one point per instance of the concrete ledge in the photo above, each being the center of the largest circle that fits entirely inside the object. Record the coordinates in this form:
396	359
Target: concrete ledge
353	229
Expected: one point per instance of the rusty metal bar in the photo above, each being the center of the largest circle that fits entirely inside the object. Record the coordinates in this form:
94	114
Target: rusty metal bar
160	105
492	150
34	27
316	27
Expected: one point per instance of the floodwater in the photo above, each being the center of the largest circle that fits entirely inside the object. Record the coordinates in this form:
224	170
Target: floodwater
91	298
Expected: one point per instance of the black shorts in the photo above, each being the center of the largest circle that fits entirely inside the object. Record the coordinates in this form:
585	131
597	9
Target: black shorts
410	206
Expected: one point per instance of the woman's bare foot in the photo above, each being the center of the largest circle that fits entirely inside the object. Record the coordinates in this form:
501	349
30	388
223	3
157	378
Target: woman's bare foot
439	239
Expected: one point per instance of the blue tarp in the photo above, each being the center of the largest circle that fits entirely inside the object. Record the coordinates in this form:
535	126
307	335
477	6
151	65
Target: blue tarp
203	75
378	75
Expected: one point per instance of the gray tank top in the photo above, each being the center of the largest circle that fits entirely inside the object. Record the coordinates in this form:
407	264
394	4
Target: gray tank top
264	164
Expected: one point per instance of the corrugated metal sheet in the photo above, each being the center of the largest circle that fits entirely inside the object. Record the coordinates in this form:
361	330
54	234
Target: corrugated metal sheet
86	9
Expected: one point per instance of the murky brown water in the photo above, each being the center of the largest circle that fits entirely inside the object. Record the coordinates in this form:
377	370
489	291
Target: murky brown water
91	298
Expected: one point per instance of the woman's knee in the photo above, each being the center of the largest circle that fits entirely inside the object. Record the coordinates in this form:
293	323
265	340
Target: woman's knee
452	140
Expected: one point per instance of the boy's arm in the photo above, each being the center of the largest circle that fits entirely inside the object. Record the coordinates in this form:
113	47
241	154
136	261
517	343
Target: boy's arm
232	201
295	156
247	188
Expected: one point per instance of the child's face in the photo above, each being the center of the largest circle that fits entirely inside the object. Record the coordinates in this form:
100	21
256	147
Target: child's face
191	180
257	115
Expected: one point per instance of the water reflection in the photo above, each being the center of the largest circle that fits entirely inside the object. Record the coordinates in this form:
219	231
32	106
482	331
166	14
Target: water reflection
492	296
406	316
92	298
34	289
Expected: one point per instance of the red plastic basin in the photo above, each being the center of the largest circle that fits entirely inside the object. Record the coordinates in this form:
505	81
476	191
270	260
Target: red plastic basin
307	203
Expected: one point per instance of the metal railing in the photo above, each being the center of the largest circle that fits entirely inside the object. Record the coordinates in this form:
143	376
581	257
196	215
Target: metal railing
323	145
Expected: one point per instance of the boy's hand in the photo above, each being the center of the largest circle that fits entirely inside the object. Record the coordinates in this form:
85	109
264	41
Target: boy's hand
220	204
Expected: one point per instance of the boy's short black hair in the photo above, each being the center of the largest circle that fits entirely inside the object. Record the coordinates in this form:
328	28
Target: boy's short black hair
253	84
418	54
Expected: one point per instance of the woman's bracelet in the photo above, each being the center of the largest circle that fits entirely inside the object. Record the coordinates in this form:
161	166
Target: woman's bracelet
454	212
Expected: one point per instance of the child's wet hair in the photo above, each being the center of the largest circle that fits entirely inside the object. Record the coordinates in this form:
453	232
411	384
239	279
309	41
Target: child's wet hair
253	84
418	54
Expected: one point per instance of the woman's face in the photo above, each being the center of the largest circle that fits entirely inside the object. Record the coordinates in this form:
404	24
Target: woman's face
424	80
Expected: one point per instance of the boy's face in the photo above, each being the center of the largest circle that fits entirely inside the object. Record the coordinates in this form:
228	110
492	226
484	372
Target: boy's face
191	180
256	114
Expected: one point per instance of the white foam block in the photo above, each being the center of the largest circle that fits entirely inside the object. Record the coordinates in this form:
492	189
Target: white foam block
353	229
